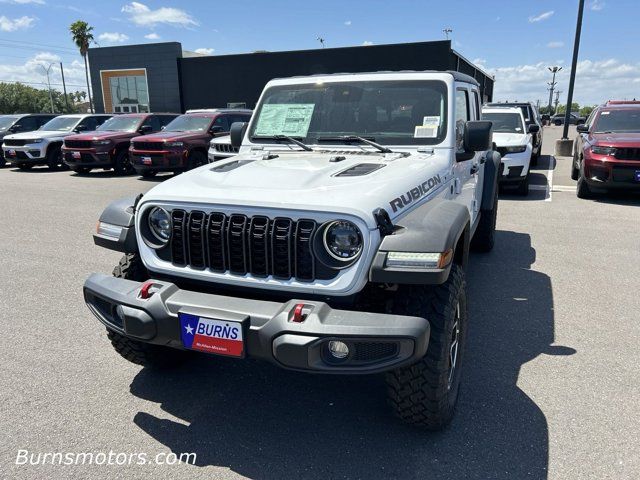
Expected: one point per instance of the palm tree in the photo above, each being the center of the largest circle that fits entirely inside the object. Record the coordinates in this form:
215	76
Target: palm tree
82	37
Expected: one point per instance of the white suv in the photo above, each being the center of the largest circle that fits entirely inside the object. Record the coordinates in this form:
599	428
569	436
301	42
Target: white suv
514	142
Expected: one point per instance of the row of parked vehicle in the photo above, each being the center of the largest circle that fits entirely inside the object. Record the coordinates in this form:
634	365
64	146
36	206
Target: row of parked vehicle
146	143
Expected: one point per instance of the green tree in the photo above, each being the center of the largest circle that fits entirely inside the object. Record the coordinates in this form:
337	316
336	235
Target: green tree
20	98
586	110
575	107
82	37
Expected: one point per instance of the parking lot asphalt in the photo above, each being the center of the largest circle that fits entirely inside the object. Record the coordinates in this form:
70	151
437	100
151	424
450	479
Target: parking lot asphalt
550	386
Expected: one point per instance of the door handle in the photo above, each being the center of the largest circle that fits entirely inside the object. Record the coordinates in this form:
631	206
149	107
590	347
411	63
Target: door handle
474	169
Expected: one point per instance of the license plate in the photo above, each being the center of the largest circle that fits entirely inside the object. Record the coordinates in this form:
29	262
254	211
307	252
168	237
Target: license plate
221	337
146	161
637	175
76	154
11	153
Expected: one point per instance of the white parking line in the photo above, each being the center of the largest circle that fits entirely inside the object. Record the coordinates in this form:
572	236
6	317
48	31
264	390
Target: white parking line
549	189
564	188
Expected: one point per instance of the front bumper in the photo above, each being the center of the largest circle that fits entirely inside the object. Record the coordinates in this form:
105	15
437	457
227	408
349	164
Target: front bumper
514	167
378	342
609	173
26	154
158	161
86	157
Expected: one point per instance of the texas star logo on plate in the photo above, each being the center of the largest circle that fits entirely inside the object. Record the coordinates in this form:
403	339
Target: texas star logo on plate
212	336
147	160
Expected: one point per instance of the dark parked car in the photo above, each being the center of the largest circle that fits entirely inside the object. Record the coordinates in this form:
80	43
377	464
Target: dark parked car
574	119
531	117
607	150
20	122
183	143
108	146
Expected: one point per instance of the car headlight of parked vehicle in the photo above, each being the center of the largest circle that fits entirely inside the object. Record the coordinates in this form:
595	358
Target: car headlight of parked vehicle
342	240
100	142
35	140
160	224
516	149
603	150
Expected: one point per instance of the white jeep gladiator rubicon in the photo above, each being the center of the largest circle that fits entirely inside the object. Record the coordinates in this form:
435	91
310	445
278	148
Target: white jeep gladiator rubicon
336	241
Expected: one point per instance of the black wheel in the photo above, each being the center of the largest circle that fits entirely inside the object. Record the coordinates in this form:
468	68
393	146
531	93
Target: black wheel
54	158
582	189
557	122
25	166
196	159
131	267
575	170
535	156
122	164
484	238
148	173
523	186
81	170
426	392
3	162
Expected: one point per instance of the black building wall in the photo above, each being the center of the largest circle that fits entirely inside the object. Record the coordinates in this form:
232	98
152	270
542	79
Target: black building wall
161	62
215	81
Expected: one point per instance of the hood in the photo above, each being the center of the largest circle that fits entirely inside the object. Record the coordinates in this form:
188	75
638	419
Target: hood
170	136
102	134
503	139
310	181
37	134
631	139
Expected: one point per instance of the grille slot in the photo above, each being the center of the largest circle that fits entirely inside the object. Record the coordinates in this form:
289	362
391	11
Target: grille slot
242	245
627	153
149	146
16	142
77	143
375	351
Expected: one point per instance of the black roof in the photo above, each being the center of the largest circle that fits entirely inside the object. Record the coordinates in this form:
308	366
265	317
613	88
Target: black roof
461	77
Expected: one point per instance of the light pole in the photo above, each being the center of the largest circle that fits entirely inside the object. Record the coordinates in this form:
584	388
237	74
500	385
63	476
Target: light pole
47	70
558	92
552	85
574	64
447	31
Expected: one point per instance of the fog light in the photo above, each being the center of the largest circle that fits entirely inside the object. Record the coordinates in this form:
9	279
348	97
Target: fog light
338	349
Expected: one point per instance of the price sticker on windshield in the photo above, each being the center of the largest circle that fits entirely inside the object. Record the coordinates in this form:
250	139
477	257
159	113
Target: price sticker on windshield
429	127
292	119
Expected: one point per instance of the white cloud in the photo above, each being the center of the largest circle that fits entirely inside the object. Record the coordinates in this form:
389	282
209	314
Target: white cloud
113	37
31	72
597	5
542	16
596	81
24	2
21	23
152	36
367	43
555	44
348	23
143	16
204	51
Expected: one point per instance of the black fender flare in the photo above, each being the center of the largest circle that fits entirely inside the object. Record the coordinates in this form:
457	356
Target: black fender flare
120	213
490	182
435	227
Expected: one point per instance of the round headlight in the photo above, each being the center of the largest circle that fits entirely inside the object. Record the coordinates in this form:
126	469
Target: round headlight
343	240
160	224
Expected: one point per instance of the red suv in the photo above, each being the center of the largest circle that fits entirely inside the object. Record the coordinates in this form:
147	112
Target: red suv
607	150
108	146
183	143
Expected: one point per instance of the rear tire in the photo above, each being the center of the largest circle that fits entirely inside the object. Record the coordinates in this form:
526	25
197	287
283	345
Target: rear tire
484	238
131	267
426	392
122	164
196	159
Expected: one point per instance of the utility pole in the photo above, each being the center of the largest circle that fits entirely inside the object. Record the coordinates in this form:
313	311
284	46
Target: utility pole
47	70
64	87
447	31
552	85
558	92
574	64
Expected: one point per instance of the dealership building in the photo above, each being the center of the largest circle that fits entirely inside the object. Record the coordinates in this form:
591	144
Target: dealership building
162	77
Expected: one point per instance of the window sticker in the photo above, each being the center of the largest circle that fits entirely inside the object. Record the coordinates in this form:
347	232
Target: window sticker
605	113
291	119
429	127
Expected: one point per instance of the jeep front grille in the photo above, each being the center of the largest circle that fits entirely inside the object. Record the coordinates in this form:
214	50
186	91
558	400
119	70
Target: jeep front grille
77	143
149	146
627	153
259	246
226	148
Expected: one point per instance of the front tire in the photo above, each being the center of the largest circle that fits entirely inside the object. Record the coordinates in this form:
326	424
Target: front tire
575	171
196	159
148	173
582	189
131	267
54	158
426	392
484	238
523	186
122	164
25	166
81	170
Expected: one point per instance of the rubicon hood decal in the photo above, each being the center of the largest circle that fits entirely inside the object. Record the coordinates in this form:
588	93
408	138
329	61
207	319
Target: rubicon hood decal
415	193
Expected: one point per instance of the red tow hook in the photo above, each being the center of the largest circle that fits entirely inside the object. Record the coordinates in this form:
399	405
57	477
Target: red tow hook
298	313
145	290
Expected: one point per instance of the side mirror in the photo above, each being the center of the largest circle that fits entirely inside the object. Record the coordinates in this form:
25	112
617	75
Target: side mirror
80	128
582	128
216	129
144	129
14	128
237	132
477	137
163	127
534	128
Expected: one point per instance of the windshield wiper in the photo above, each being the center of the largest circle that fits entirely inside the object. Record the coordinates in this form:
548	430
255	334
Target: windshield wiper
355	138
287	138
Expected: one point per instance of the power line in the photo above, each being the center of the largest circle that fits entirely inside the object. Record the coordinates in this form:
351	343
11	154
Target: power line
21	42
40	83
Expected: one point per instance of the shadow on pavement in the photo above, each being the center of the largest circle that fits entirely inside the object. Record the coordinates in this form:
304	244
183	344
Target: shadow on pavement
266	423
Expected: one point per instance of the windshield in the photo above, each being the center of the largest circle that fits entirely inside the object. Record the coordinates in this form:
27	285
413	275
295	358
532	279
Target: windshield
189	123
618	121
121	124
61	124
387	112
505	122
6	122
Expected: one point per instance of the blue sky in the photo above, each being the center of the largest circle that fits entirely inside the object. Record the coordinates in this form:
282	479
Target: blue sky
515	40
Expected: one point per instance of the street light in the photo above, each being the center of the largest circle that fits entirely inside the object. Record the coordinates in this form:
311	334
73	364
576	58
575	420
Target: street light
552	85
447	31
47	70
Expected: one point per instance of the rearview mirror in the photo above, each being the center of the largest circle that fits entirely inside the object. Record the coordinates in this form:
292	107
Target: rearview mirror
534	128
144	129
582	128
237	132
